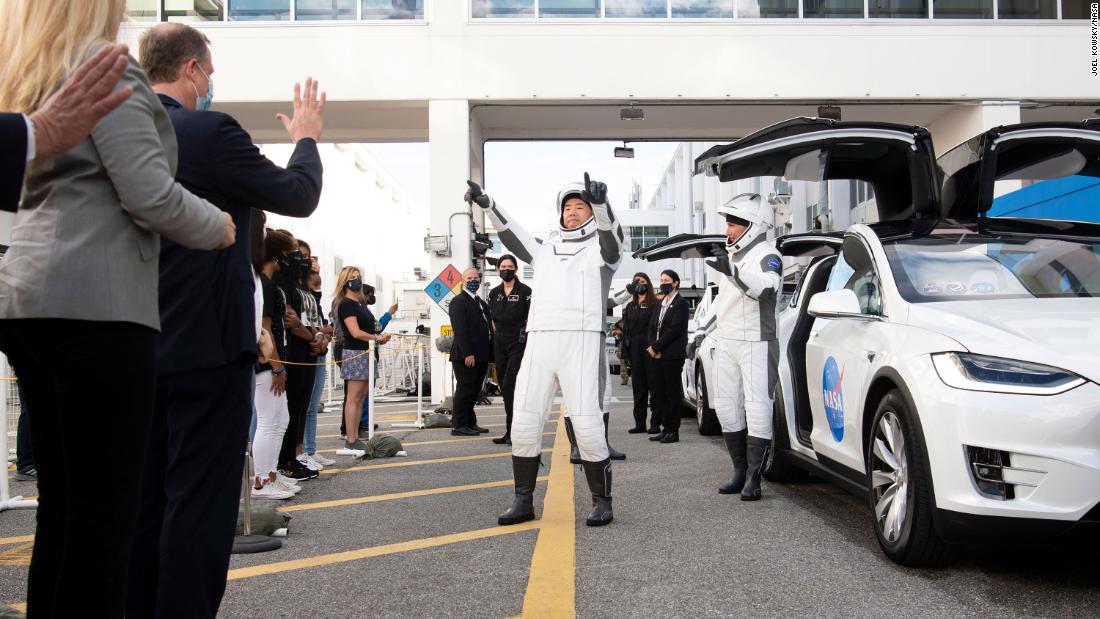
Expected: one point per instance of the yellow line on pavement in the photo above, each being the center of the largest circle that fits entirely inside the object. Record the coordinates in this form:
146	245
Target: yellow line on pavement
404	416
551	586
395	465
19	539
442	441
402	431
377	551
20	606
398	495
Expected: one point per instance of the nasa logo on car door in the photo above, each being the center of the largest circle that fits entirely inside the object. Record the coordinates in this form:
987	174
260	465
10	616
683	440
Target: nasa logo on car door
832	394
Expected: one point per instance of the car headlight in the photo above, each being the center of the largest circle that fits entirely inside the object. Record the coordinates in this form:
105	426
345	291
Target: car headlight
982	373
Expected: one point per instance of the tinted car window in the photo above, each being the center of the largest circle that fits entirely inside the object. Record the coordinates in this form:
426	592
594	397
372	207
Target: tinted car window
855	270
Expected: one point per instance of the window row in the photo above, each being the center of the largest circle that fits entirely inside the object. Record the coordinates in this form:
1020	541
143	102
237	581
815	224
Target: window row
273	10
812	9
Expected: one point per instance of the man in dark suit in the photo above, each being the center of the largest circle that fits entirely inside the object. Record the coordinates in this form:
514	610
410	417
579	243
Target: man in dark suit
470	353
208	343
668	331
66	118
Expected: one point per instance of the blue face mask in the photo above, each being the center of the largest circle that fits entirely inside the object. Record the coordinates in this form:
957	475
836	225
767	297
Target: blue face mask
355	285
203	103
473	285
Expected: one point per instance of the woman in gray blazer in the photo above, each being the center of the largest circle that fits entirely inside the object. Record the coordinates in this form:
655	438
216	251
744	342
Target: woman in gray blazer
78	302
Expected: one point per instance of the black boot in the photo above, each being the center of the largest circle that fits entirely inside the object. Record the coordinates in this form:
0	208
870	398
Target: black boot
574	453
507	438
526	472
501	440
735	443
615	454
758	454
599	482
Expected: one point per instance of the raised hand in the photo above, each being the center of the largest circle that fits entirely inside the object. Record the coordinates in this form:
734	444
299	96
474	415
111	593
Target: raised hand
594	192
721	261
309	111
474	194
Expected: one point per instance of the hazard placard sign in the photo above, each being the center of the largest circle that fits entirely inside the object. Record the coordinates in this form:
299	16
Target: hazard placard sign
445	286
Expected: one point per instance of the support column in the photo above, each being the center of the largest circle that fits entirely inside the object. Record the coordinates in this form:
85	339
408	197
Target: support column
448	169
962	122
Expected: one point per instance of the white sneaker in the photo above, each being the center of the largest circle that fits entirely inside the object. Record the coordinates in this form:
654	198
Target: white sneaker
309	463
270	492
286	487
279	477
323	460
314	459
354	453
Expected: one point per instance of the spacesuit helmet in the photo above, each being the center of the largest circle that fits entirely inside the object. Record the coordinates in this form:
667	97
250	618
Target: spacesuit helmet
747	209
585	230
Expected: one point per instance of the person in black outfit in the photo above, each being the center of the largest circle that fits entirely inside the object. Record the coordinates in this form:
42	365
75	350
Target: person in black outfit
207	349
509	304
358	328
636	318
470	353
668	346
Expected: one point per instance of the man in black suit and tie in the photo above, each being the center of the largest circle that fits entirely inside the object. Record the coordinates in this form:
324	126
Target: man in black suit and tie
470	353
668	331
208	344
67	118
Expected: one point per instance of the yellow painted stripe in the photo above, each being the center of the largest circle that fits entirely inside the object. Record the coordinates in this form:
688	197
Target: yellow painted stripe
472	439
404	416
398	495
488	425
396	465
376	551
551	585
19	539
20	606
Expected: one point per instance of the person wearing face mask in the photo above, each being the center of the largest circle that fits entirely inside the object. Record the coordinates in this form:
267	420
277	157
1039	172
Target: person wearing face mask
309	456
208	345
668	328
359	328
470	354
749	282
566	333
509	304
643	368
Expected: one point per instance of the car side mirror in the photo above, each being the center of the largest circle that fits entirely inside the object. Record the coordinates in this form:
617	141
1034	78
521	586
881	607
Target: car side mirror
693	325
837	304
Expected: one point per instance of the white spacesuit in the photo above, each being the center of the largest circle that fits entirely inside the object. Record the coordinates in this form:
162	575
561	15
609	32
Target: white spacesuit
565	339
748	352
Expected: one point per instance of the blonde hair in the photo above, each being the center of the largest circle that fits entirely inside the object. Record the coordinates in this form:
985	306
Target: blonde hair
45	40
342	281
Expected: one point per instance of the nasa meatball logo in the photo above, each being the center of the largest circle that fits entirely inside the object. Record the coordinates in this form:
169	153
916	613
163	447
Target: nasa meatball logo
774	262
833	396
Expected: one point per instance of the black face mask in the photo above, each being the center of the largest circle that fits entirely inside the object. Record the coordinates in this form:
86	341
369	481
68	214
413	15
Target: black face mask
316	295
666	288
508	275
354	284
284	263
640	288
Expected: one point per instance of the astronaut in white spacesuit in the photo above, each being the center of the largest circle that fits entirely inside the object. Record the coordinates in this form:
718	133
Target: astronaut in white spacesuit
565	336
748	351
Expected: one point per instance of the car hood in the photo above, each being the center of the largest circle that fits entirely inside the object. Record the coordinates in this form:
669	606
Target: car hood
1063	333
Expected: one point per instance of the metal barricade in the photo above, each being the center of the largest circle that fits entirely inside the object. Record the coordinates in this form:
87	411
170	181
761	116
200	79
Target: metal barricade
398	365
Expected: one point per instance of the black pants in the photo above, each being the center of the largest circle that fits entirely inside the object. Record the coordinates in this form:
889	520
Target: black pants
89	387
507	355
299	390
190	492
643	377
24	453
468	387
669	392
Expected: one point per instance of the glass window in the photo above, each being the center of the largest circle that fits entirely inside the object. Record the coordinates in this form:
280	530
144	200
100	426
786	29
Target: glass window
569	8
641	237
832	8
192	10
502	8
855	270
767	8
259	10
142	10
393	9
1027	9
1075	9
1047	180
898	8
307	10
636	8
962	9
698	9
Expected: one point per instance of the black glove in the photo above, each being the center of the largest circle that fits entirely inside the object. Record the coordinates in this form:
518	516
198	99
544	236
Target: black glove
721	261
594	192
474	194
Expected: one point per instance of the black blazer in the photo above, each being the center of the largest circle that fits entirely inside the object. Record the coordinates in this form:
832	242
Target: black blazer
672	343
468	319
13	160
207	297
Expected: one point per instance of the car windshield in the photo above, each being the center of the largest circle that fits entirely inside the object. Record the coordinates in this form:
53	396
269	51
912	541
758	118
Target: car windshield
961	267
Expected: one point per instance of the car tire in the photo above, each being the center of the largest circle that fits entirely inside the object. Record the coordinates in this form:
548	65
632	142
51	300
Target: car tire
900	487
704	414
778	467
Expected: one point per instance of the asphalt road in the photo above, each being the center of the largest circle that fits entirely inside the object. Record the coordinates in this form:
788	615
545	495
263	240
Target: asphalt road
676	549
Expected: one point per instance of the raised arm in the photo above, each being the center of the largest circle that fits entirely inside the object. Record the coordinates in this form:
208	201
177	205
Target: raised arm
608	229
511	233
753	280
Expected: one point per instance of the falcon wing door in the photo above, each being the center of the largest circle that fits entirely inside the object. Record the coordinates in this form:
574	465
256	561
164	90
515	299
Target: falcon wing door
682	246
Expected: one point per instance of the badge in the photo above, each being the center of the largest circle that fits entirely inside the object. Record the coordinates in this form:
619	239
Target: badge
932	289
981	287
513	297
956	287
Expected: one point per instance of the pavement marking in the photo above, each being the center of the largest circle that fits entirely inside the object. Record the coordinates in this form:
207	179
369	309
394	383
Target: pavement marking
19	539
20	606
19	555
377	551
394	465
407	430
471	439
403	416
399	495
551	583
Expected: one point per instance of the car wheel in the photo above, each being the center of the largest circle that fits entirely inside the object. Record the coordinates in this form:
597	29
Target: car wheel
778	467
704	414
900	487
